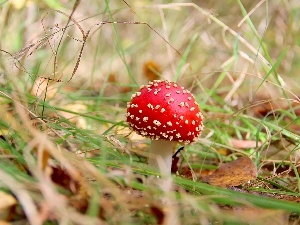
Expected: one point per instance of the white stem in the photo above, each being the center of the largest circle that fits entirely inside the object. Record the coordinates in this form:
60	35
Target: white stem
161	156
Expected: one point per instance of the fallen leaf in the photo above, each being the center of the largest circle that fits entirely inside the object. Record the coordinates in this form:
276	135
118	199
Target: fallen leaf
125	89
241	144
41	86
158	213
151	70
265	105
7	203
253	215
75	107
233	173
61	177
112	78
18	4
4	223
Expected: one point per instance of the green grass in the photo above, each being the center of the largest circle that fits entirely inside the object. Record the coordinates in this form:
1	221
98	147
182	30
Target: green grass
244	77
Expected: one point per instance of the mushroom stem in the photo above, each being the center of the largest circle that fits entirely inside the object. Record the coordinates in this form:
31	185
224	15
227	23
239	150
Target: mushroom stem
161	156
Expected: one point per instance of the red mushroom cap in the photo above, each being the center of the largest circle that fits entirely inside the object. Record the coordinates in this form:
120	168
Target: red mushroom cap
164	110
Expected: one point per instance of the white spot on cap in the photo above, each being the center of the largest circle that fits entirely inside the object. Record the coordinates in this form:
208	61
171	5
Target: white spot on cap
164	135
150	106
140	111
186	122
157	123
192	108
162	110
145	119
157	106
171	100
169	123
144	133
178	135
133	96
181	104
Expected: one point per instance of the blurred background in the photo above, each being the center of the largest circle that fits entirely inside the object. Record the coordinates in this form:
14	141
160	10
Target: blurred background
178	41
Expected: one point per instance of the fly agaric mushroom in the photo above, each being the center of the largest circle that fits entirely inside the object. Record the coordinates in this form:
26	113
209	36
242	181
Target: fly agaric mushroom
166	113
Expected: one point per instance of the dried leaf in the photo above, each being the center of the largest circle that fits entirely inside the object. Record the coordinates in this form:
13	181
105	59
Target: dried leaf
261	216
151	70
158	213
236	143
18	4
187	173
233	173
63	179
112	78
125	89
41	86
7	202
43	158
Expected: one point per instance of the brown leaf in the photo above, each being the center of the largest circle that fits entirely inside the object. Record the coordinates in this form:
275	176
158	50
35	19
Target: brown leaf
125	89
7	204
63	179
158	213
41	86
233	173
241	144
253	215
112	78
43	158
151	70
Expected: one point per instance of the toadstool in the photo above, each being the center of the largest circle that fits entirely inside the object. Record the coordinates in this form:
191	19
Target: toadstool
166	113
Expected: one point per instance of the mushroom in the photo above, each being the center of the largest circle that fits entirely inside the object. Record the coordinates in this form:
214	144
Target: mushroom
167	114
